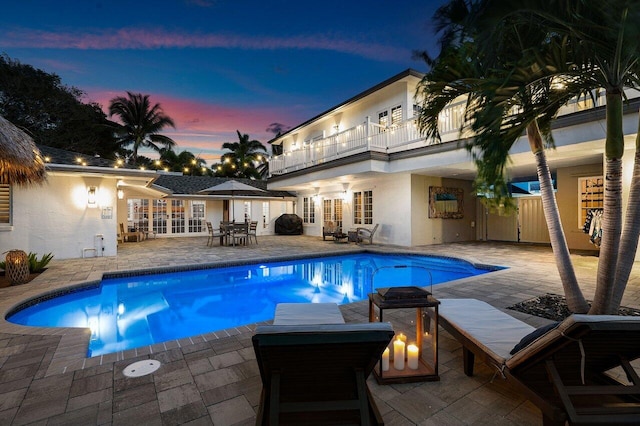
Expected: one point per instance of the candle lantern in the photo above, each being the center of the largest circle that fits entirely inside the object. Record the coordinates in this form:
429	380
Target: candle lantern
17	267
415	347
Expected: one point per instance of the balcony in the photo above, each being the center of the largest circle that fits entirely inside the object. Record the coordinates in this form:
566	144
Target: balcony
370	136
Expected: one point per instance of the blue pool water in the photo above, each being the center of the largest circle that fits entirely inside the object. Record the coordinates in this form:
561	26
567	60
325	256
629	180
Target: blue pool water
125	313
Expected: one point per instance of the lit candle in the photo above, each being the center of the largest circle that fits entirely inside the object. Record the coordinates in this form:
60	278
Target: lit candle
398	354
385	360
412	357
402	337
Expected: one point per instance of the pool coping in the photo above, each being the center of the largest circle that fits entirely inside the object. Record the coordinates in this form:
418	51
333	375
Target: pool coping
71	353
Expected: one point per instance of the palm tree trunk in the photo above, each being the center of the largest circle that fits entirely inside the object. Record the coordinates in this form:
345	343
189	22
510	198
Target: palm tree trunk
612	216
630	233
575	299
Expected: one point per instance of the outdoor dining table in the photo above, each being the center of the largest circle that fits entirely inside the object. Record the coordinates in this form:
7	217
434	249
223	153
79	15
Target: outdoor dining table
230	230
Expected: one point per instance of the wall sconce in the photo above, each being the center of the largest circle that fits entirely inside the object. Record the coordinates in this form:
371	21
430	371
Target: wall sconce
120	194
92	197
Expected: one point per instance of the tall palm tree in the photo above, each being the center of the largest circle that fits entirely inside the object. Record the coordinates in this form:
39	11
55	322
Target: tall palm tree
588	46
141	123
466	67
244	157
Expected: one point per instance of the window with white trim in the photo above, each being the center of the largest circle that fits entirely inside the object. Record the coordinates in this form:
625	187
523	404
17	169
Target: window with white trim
5	204
265	214
177	216
247	211
396	115
363	207
196	221
383	118
332	211
308	210
160	216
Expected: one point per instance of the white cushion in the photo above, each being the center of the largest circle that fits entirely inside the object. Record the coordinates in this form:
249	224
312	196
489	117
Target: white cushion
491	329
307	314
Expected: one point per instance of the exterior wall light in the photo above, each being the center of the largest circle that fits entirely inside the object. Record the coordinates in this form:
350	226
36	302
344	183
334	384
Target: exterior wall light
120	193
92	201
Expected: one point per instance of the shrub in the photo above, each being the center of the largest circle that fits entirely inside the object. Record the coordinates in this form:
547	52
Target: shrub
38	265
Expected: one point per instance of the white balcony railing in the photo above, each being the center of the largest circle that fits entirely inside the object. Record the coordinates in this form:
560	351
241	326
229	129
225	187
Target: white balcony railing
370	136
362	138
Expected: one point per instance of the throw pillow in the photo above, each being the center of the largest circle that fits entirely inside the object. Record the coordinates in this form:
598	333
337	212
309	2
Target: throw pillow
529	338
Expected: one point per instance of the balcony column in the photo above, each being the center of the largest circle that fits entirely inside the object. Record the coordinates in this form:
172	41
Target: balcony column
367	131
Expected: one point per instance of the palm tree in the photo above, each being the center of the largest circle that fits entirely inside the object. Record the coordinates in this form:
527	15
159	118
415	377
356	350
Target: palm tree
141	123
605	39
244	158
466	67
184	161
588	46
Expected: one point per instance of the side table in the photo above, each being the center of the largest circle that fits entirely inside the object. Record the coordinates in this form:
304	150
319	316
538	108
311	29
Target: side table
425	335
340	238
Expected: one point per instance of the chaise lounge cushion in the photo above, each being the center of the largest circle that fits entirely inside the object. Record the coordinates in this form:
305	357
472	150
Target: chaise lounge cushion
494	331
307	313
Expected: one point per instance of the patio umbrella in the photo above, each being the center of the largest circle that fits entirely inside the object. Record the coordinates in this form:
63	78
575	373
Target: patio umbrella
20	160
232	188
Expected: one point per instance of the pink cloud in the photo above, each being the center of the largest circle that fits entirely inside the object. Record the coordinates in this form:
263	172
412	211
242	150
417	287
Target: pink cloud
203	127
133	38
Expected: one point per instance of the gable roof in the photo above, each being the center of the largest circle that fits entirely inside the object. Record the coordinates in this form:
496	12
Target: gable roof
175	185
406	73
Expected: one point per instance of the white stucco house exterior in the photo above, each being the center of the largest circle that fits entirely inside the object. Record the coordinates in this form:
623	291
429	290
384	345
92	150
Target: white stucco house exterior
78	211
363	162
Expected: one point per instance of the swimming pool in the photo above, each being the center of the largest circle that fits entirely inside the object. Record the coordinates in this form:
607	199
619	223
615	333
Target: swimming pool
129	312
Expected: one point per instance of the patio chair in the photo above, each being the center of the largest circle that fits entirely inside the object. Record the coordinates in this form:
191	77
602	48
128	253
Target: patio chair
329	230
253	229
366	234
128	236
213	234
316	373
239	233
568	370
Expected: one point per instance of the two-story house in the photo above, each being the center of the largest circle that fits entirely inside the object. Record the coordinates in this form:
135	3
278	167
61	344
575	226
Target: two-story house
363	162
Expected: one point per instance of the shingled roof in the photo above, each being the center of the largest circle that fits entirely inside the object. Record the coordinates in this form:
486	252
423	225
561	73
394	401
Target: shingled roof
192	185
61	156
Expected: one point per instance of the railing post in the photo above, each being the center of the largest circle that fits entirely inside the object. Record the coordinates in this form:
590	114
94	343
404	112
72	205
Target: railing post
367	132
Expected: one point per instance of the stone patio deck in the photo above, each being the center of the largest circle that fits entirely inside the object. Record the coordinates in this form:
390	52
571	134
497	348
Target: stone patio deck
213	379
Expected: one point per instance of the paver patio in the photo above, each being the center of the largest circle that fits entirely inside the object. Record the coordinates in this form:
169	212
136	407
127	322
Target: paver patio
213	379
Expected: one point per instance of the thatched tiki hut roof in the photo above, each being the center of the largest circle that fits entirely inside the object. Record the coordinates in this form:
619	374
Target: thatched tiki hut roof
20	160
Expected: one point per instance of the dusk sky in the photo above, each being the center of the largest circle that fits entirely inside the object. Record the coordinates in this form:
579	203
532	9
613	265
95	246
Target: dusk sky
217	66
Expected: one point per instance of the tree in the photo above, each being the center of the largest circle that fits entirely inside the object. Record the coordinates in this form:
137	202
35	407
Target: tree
568	49
141	123
185	162
52	113
244	159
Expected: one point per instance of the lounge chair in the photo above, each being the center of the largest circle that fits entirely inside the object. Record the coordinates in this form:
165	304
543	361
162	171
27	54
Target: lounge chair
366	234
563	369
329	230
316	373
